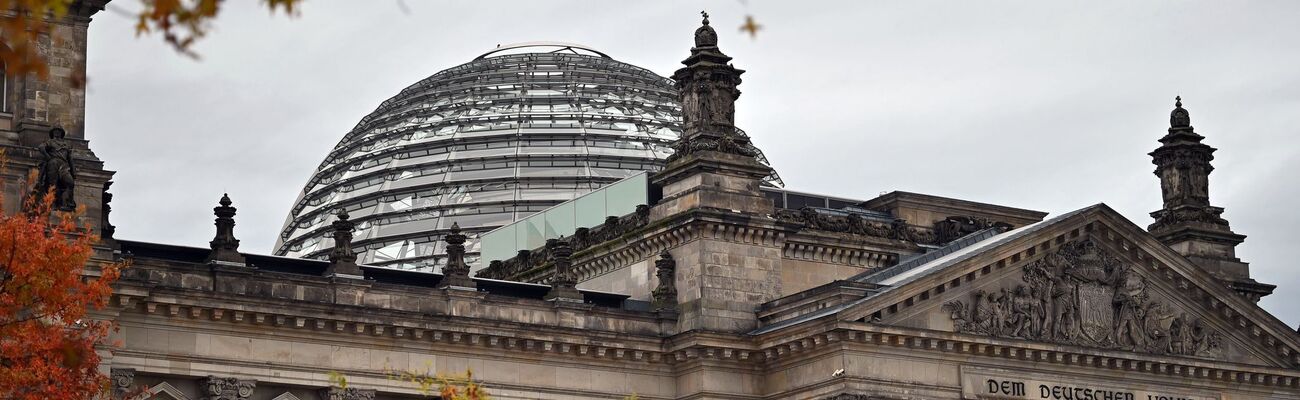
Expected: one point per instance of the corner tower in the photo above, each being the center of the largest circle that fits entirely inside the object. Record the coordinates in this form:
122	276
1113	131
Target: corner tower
1187	222
711	184
713	164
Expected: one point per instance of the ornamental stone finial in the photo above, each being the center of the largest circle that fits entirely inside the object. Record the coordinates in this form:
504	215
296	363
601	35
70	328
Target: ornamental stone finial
456	272
1187	222
224	245
705	36
343	261
1179	118
564	285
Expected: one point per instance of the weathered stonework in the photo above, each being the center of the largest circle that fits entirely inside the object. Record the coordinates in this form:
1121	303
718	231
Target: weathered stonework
711	293
122	379
1187	222
347	394
1083	296
226	388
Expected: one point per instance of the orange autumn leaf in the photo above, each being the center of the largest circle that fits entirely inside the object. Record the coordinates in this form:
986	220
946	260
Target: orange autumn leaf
183	22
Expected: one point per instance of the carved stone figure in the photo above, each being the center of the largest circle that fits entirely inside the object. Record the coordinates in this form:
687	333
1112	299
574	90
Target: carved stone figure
106	229
58	174
1022	305
1083	296
854	224
722	105
955	227
665	295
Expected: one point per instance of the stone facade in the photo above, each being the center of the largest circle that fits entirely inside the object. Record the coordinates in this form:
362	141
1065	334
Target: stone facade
711	293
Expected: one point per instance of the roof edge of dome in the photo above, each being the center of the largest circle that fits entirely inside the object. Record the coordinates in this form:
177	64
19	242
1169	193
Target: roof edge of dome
560	45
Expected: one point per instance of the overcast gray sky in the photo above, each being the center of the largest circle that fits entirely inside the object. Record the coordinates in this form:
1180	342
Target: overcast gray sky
1043	105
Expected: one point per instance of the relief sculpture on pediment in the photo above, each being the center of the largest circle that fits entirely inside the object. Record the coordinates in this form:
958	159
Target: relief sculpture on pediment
1081	295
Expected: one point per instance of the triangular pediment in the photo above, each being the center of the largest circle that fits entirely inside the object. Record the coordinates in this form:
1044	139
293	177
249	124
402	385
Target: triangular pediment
1089	279
162	391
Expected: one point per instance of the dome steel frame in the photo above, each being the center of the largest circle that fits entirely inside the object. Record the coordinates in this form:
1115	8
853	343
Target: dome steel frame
483	144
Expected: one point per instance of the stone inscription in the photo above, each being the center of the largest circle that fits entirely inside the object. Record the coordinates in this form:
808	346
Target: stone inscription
995	387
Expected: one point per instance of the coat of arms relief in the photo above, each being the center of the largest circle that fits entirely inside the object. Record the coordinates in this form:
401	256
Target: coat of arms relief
1083	296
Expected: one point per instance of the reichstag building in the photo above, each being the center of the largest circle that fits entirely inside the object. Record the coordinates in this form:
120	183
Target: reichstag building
572	227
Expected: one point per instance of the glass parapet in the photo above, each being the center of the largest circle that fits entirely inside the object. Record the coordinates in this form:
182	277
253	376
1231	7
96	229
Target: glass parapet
561	220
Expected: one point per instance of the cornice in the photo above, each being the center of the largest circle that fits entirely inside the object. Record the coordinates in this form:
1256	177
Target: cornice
688	348
723	225
446	330
788	346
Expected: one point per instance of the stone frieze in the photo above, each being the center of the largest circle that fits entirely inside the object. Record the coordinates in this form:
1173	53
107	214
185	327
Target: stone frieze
1080	295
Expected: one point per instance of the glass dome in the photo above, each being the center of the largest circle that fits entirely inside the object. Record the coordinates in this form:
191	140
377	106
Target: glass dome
513	132
517	130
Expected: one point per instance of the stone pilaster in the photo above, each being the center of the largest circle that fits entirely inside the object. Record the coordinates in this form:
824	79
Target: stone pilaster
1187	222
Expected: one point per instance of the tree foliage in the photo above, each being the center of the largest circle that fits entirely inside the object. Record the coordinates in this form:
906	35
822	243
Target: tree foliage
47	340
447	387
182	22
